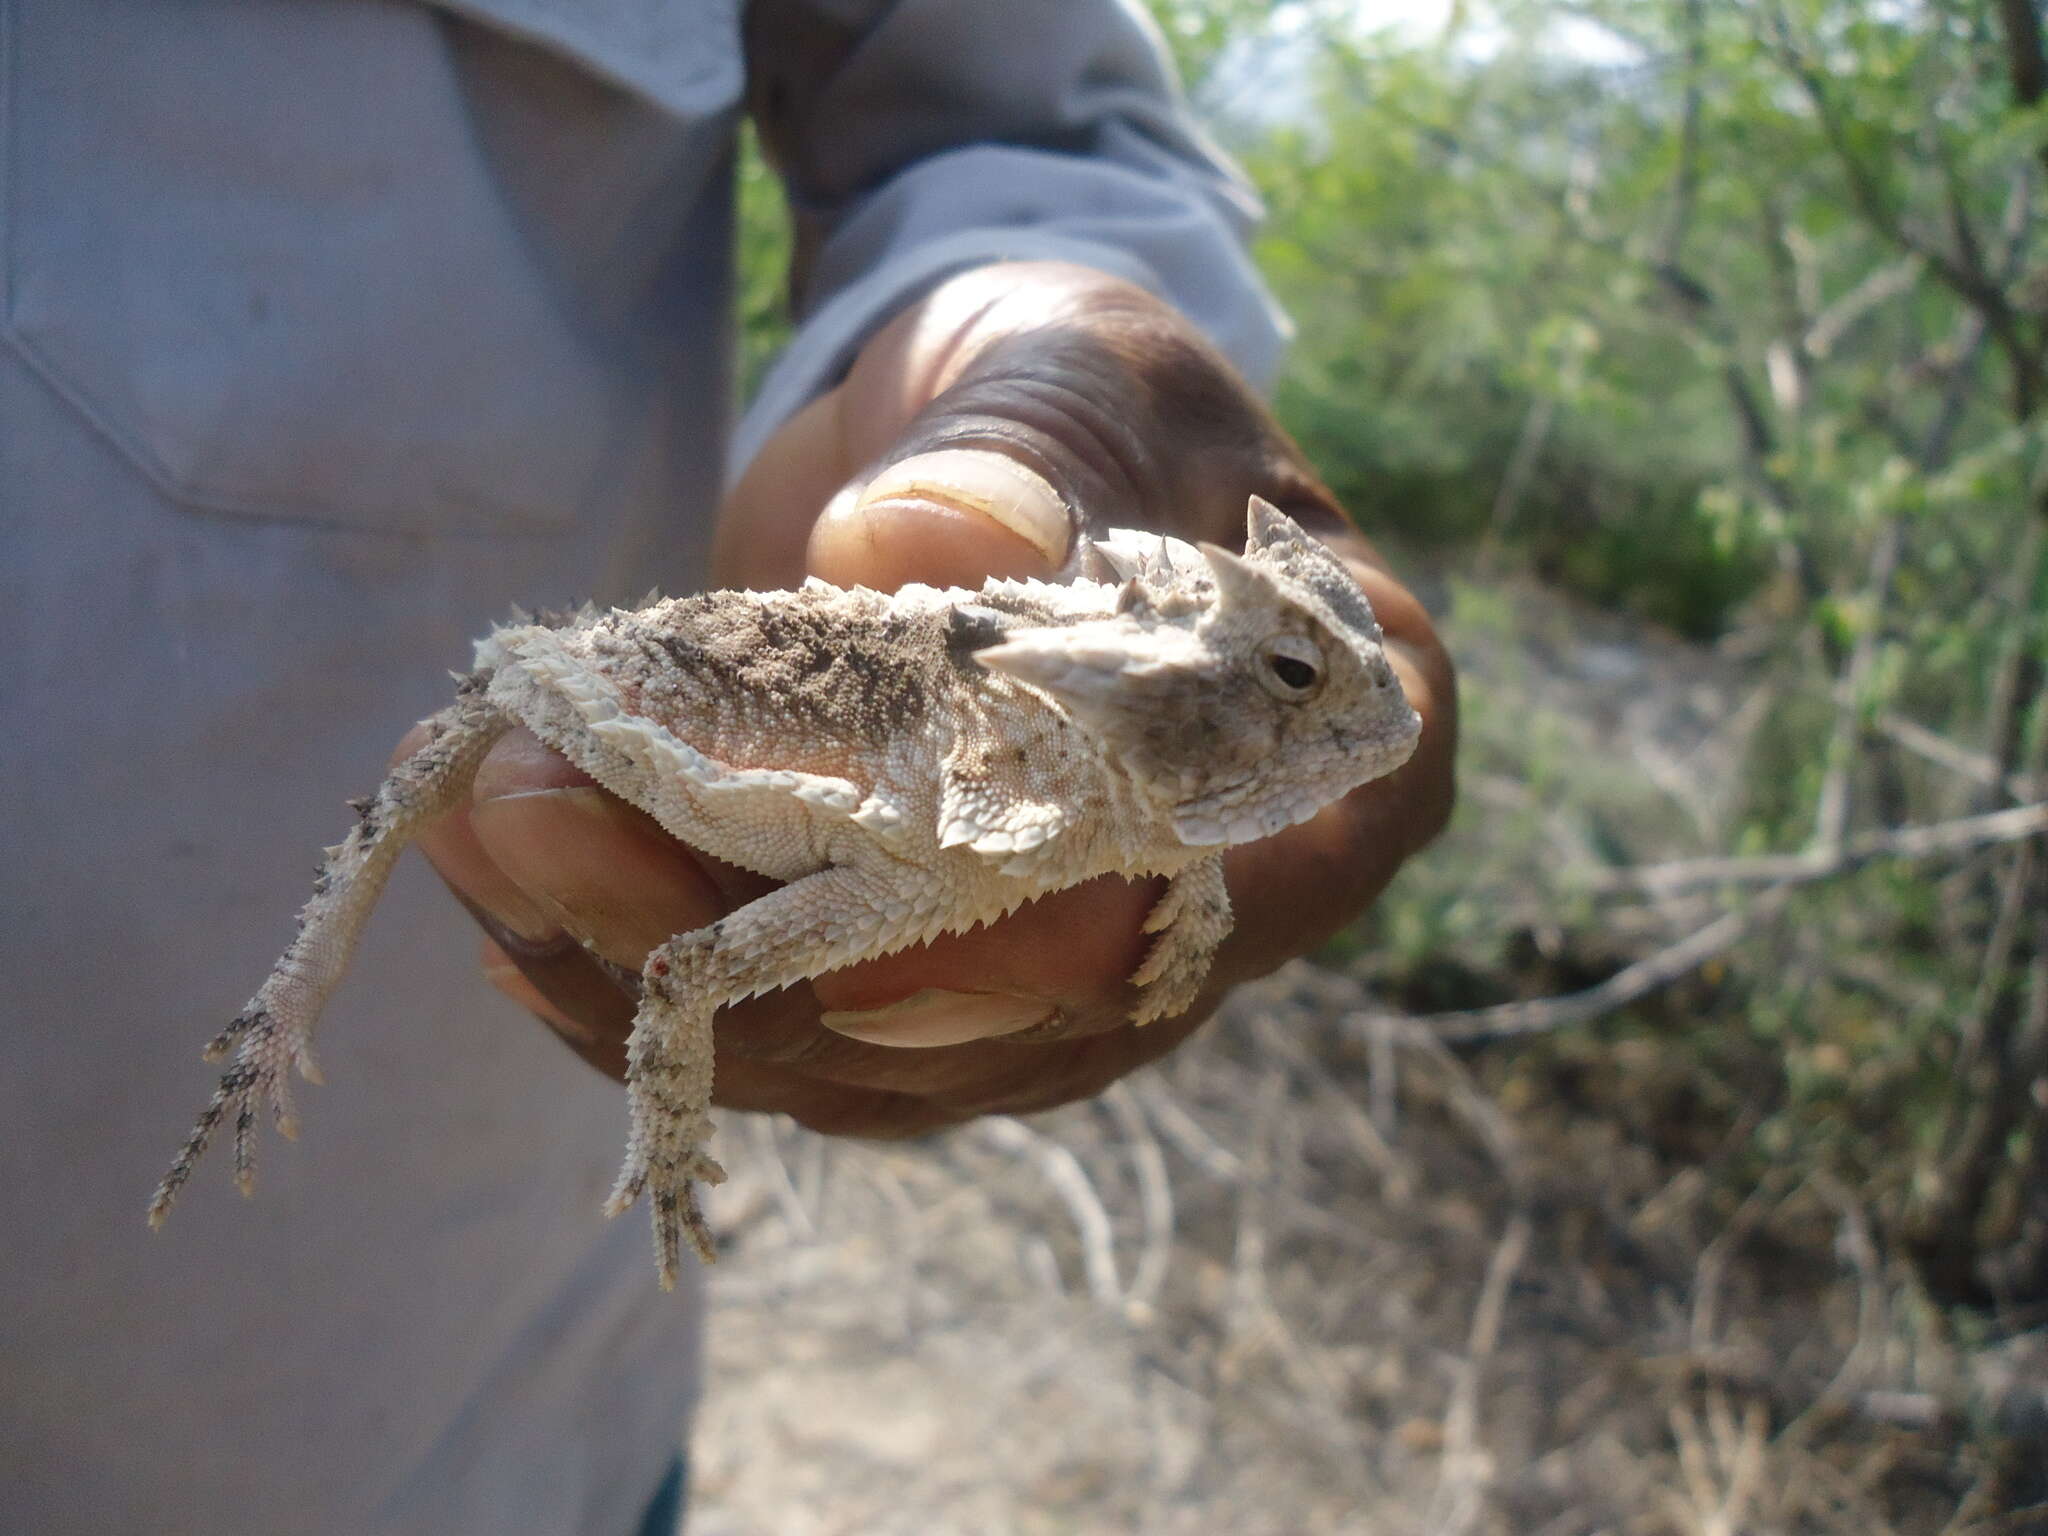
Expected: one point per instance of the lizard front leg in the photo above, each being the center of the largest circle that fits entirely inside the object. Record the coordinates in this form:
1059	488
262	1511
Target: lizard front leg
1191	919
819	923
274	1030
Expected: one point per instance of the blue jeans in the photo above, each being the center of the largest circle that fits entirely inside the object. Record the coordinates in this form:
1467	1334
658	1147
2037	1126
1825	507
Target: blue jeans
664	1515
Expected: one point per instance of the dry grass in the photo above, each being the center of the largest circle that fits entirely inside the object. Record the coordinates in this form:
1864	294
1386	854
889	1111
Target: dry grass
1228	1299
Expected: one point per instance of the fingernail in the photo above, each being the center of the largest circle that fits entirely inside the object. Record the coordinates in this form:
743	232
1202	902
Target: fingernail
979	480
535	935
509	914
935	1017
501	973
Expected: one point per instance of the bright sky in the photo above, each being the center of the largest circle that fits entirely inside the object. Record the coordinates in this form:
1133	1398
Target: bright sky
1423	20
1262	81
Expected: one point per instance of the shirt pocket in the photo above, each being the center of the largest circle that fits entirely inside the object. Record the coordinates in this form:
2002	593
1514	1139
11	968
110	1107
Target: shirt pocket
256	244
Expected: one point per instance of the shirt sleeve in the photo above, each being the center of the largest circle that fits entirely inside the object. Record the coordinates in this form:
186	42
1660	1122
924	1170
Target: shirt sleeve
917	138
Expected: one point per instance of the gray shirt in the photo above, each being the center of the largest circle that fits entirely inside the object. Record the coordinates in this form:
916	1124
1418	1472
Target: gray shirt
329	329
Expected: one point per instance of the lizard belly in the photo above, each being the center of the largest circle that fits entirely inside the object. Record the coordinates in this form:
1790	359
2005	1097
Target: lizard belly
780	822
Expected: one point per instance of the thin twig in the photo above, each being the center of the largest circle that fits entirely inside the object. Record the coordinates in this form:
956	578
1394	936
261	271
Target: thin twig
1617	991
1070	1181
1835	322
1962	276
1711	1270
1998	952
1455	1506
1187	1134
1397	1174
767	1150
1927	840
1516	478
1478	1111
1831	817
2016	675
1383	1083
1831	808
1249	1299
1977	767
1155	1200
1968	344
2026	65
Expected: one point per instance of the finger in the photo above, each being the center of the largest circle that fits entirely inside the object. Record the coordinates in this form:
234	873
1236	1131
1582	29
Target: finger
602	870
1055	969
542	841
559	983
591	865
1058	965
543	861
450	845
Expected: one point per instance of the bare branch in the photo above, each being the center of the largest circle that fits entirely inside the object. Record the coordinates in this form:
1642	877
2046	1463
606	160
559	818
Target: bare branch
1685	179
1463	1470
1473	1026
1834	323
2025	65
1998	953
1969	342
1250	1301
767	1147
1155	1197
1694	300
1782	873
1960	273
1187	1134
1831	811
1996	1099
1521	470
1397	1174
1959	835
1479	1113
1070	1181
1977	767
2017	676
2023	50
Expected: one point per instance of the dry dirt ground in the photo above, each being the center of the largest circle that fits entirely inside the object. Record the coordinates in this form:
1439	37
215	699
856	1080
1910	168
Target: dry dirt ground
1316	1273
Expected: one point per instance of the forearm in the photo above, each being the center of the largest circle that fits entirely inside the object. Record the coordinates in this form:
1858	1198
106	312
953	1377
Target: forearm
920	138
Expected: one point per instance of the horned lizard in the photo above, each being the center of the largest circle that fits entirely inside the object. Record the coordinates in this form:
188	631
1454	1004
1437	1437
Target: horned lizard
910	764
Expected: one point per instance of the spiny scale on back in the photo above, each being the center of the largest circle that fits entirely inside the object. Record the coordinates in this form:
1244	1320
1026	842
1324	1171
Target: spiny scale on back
909	763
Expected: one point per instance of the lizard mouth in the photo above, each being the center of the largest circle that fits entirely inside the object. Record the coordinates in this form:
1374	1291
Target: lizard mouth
1248	809
1223	817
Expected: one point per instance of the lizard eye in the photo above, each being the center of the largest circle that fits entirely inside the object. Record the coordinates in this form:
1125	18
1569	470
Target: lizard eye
1290	668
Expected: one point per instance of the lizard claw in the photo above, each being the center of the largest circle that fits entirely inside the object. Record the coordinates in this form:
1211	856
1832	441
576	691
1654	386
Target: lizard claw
258	1076
675	1206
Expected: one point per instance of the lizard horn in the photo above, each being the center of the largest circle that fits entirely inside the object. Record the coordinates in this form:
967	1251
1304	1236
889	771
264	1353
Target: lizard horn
1238	582
1266	526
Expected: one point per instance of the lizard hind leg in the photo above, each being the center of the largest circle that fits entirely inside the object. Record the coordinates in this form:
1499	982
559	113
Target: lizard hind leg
818	923
668	1093
273	1034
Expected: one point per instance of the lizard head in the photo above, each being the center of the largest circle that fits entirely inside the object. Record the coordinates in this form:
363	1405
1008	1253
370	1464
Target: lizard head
1243	693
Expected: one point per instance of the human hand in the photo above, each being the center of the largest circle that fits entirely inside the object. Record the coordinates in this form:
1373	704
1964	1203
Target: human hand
971	435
